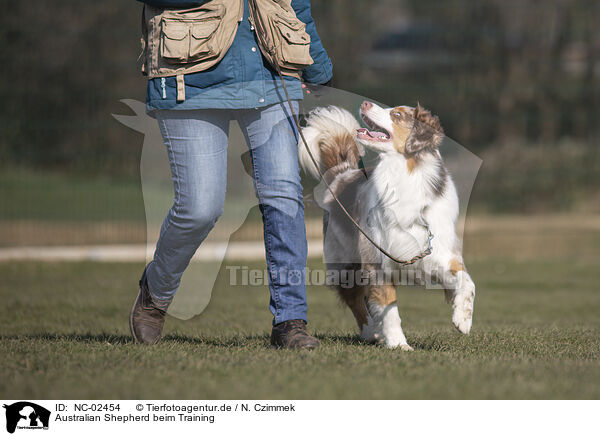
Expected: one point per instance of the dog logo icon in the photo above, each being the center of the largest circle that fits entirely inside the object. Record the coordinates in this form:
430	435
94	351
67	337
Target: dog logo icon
26	415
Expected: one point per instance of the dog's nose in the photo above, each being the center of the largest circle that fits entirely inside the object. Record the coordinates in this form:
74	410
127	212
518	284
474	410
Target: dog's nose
366	105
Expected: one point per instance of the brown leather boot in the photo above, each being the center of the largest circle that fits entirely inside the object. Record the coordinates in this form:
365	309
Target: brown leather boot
293	334
146	320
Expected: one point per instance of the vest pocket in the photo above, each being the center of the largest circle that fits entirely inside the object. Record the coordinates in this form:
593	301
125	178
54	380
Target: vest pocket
175	41
293	48
188	37
201	43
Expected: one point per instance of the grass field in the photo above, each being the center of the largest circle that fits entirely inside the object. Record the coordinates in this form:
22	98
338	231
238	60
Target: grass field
536	335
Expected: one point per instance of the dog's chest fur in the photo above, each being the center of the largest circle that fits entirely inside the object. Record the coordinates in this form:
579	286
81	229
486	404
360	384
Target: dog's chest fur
408	187
395	197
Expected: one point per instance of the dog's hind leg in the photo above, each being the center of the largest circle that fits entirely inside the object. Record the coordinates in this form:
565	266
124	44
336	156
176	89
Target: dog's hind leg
355	300
383	309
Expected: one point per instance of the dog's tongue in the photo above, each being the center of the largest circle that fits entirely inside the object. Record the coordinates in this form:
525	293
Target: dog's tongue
375	135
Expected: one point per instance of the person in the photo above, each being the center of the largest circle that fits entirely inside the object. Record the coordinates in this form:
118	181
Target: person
193	113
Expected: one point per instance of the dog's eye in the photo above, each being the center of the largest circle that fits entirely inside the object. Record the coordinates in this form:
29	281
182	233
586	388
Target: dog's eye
398	115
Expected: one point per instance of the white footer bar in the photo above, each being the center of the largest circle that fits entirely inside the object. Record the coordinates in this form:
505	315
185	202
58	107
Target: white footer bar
290	418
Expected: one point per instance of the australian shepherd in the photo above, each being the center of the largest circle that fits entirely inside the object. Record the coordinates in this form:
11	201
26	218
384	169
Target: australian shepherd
406	203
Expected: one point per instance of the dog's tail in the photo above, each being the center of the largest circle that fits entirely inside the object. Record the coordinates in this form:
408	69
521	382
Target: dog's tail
330	133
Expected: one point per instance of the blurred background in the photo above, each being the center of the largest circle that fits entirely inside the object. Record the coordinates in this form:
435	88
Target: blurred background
515	82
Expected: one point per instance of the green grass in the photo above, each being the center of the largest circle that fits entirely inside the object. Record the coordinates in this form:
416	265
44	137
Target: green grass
65	335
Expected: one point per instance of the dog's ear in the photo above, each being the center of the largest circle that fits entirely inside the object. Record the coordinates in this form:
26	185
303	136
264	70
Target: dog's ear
427	131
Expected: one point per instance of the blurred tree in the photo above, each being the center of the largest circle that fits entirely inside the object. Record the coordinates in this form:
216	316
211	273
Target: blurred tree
510	71
531	69
65	65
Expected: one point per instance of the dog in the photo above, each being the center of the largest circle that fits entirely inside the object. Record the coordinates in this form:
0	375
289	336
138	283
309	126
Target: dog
406	203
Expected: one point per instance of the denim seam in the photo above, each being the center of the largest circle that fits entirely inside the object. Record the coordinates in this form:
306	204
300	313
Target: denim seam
175	182
273	276
267	234
171	154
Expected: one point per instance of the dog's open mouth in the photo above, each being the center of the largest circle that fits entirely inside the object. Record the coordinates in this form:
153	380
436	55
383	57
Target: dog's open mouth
374	132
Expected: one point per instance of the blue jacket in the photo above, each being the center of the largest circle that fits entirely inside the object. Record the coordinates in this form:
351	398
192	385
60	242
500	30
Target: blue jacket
242	79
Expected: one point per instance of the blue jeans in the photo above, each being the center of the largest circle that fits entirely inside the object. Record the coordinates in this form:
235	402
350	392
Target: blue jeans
196	142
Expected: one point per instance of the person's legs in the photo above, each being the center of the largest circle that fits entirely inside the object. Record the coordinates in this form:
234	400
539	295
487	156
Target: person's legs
196	142
273	141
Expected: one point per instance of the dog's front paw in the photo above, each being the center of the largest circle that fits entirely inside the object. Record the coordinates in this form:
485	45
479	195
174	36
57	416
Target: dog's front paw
462	321
397	344
462	315
403	347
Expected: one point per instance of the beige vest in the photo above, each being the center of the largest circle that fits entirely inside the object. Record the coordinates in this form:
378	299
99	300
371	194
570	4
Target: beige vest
176	42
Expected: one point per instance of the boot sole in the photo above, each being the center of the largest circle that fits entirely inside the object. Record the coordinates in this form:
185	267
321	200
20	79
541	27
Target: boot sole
283	347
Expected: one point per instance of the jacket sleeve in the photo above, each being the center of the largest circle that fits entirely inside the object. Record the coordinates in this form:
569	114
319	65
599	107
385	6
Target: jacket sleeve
322	70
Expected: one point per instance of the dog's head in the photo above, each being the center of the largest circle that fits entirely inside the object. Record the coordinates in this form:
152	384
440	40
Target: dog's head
403	129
